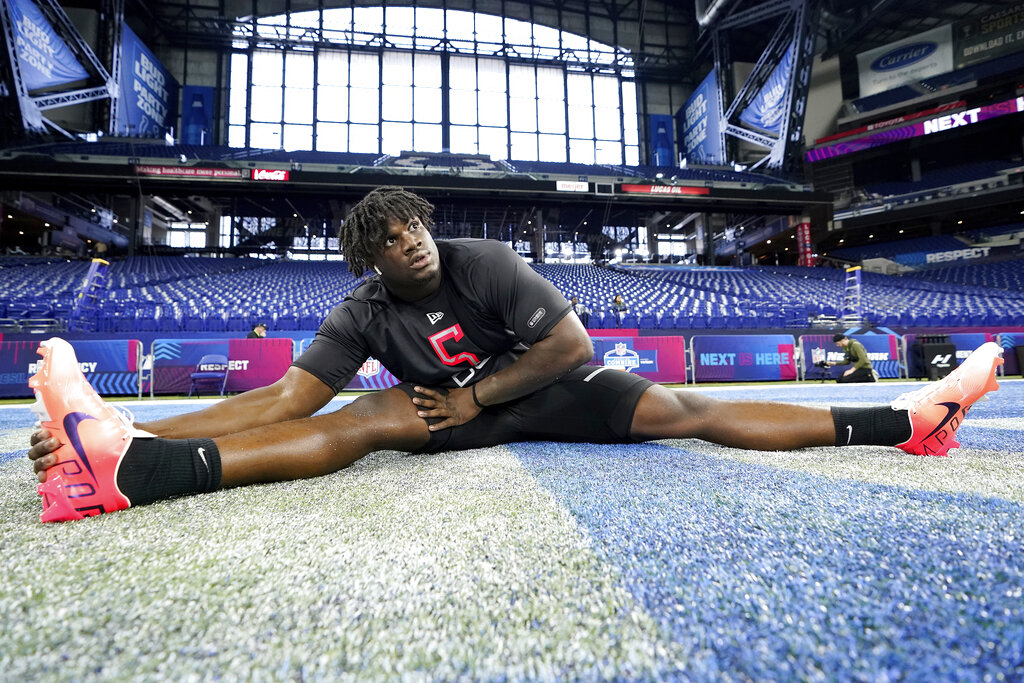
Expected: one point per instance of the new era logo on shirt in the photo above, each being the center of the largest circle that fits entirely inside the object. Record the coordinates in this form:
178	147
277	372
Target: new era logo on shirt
434	317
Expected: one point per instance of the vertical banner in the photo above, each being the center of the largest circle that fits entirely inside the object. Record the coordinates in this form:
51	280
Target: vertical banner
662	144
698	122
43	58
148	94
725	358
911	59
768	107
883	352
804	243
196	114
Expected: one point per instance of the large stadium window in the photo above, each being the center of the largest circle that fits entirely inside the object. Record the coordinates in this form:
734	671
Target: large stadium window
370	79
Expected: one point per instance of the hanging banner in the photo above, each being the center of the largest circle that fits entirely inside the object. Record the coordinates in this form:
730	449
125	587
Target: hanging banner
663	148
43	58
698	124
149	94
911	59
767	109
804	244
196	115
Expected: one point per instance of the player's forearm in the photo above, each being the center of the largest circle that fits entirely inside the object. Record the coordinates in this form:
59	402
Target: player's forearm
243	411
297	394
565	349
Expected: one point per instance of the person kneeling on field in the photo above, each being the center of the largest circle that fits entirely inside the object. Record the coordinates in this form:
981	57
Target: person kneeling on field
857	357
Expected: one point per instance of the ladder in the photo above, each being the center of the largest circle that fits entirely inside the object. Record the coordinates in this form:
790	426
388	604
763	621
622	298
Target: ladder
85	314
853	309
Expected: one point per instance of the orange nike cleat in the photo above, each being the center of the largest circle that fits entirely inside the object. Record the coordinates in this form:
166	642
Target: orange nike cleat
938	410
93	438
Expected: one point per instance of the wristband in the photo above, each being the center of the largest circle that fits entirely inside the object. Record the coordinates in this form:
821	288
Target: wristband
476	400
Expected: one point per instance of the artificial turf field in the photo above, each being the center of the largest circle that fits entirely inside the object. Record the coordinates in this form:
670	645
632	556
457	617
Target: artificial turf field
675	560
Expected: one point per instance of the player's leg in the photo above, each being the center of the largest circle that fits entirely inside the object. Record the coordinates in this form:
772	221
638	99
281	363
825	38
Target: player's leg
663	413
99	462
923	422
322	444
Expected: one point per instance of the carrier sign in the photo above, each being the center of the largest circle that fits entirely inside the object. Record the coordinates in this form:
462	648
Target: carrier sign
269	174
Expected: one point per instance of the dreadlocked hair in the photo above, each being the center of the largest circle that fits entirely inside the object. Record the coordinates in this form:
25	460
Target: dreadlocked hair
364	231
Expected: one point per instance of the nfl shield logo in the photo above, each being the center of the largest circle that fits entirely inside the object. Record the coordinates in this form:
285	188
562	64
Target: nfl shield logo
371	368
620	349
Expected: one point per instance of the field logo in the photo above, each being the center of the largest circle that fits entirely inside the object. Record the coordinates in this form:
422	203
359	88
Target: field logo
622	357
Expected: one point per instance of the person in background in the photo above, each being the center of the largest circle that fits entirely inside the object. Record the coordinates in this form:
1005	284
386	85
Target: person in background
581	311
619	309
857	358
259	331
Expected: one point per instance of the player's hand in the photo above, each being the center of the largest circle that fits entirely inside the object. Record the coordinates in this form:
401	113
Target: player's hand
455	407
41	453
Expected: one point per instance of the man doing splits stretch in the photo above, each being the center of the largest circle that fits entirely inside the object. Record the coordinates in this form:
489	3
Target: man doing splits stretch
486	354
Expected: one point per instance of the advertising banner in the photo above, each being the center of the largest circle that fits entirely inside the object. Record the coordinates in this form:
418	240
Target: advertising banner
196	115
1010	341
996	34
804	244
725	358
663	147
43	58
111	365
769	105
252	363
911	59
883	351
659	359
965	343
149	94
698	123
372	375
927	127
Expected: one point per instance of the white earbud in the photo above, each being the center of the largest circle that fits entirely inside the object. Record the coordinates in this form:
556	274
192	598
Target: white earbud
377	270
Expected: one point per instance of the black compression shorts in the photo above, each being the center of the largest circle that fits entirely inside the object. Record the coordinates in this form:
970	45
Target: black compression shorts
591	404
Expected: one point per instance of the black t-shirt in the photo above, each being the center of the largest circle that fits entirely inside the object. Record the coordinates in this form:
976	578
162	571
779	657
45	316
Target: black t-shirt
489	308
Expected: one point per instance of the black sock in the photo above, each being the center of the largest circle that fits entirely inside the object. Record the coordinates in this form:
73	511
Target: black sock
875	426
160	468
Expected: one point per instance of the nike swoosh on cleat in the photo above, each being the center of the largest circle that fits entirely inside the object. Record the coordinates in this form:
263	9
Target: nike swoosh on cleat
849	434
952	409
202	454
71	422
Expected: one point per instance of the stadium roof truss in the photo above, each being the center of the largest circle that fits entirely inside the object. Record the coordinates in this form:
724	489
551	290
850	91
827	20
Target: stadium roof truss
104	85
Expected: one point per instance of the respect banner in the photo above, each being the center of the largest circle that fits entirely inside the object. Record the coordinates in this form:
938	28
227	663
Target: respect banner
724	358
883	352
110	365
252	363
